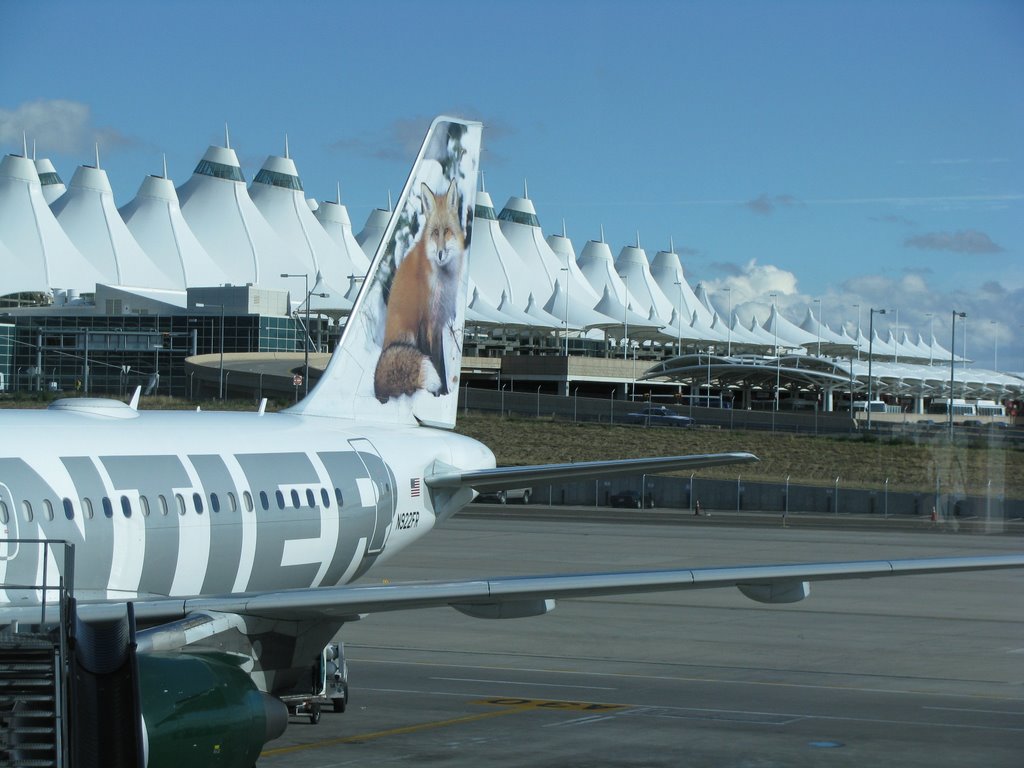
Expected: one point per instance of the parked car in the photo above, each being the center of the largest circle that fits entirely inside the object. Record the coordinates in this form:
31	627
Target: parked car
659	415
629	499
504	496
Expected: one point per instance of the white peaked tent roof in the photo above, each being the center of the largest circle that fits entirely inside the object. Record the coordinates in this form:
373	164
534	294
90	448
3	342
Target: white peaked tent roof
702	296
372	233
902	353
630	323
52	184
789	334
544	317
563	249
518	221
88	215
597	266
877	348
830	340
480	311
927	352
277	192
706	333
217	206
667	271
939	352
735	334
538	318
154	219
633	265
42	256
578	314
493	263
333	217
767	337
913	350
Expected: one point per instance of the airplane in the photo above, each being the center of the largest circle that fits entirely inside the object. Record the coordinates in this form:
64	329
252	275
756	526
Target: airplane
210	555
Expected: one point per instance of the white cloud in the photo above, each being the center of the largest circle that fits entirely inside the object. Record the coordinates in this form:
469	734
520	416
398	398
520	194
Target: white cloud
56	126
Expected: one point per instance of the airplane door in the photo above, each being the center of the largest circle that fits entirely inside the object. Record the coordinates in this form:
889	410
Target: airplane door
9	529
382	484
8	526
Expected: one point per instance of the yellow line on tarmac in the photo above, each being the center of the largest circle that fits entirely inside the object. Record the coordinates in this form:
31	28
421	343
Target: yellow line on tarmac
394	731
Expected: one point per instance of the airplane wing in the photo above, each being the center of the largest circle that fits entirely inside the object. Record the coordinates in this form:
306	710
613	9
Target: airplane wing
447	478
520	596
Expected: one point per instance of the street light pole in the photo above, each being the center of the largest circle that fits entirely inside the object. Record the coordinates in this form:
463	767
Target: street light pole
679	319
625	323
871	342
309	337
952	366
566	270
778	357
818	302
857	346
728	348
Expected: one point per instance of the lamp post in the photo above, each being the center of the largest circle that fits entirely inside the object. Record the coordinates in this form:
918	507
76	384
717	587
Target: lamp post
220	368
566	270
857	345
778	357
306	342
818	313
625	324
728	348
952	367
931	335
871	341
896	346
679	319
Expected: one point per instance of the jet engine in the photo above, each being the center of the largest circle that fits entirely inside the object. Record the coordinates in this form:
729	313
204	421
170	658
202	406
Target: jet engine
203	709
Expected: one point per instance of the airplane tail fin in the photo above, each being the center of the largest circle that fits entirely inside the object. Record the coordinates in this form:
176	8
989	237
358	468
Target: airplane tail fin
400	355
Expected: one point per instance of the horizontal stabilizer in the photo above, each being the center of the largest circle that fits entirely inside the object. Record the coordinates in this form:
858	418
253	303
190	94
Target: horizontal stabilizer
516	477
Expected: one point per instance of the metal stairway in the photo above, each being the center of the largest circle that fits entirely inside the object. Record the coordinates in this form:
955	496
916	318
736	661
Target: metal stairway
30	695
34	680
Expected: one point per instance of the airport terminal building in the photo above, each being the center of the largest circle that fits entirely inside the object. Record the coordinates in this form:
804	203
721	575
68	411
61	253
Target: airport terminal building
100	299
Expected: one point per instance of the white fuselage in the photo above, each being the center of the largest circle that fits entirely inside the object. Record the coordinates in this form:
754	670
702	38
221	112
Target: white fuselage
200	503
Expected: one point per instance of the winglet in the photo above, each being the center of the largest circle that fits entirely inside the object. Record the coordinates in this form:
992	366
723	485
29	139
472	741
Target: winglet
134	404
400	355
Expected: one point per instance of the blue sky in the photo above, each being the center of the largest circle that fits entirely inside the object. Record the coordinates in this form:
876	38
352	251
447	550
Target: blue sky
854	152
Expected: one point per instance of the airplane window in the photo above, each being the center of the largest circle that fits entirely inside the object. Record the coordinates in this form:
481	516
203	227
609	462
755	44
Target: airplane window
197	499
108	508
87	506
69	510
5	516
163	504
26	509
214	502
295	498
310	498
232	503
280	499
181	503
126	506
326	498
247	497
264	501
338	496
48	509
144	503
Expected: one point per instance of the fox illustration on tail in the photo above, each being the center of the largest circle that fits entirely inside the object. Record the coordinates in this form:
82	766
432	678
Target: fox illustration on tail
422	302
399	358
